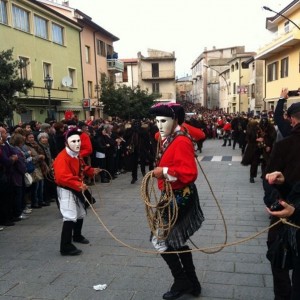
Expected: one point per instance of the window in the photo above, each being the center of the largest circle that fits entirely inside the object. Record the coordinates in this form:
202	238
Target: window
40	27
20	18
125	74
72	75
101	48
23	67
284	71
3	12
90	89
234	88
110	50
155	70
252	91
286	26
47	69
272	71
87	55
155	87
57	34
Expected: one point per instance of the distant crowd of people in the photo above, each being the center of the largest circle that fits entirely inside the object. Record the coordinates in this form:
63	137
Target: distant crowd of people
117	146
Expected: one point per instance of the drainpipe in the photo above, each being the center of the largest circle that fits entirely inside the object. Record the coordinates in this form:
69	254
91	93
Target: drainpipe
81	61
96	73
240	85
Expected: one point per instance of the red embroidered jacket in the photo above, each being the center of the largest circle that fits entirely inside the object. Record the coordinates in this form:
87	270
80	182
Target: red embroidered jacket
179	157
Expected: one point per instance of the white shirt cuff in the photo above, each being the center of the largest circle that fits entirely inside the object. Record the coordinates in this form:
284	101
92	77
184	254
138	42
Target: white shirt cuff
167	176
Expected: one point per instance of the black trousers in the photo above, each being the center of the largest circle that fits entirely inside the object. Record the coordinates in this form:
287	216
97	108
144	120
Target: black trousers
284	286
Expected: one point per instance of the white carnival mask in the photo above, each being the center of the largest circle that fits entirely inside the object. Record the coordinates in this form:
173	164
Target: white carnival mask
74	142
165	125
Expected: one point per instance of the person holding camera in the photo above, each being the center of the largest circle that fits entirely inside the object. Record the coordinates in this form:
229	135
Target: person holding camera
280	118
283	242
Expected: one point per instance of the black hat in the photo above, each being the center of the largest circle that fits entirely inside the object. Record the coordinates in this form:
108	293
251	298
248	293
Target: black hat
71	131
173	110
71	123
81	124
293	109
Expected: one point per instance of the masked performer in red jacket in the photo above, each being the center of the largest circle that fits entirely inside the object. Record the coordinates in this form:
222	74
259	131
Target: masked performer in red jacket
177	165
69	171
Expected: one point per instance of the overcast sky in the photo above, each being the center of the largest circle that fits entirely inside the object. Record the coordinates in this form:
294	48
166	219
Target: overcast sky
185	27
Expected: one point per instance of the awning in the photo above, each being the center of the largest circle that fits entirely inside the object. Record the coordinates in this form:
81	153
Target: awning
70	107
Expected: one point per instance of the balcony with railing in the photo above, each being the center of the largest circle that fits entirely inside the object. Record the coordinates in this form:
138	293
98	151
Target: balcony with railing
150	75
115	65
165	96
280	41
41	93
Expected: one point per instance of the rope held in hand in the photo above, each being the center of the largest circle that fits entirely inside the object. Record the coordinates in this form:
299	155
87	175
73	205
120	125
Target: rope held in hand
162	207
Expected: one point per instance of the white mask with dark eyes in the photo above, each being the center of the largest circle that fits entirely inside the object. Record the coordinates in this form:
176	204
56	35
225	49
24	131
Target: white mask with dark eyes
74	143
165	125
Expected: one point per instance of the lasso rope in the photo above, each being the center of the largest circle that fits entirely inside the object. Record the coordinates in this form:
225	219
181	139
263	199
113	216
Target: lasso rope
166	204
106	183
163	206
203	249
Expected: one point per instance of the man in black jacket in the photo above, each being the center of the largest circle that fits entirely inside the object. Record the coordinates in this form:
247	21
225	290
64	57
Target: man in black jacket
283	174
280	119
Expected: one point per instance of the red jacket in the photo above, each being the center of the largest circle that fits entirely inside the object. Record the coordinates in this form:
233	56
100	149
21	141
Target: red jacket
67	171
227	127
179	157
86	148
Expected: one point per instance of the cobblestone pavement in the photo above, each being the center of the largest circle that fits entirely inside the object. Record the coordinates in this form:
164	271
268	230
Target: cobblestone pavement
31	266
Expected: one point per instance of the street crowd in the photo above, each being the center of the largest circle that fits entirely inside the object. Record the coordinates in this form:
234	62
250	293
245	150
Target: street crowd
115	146
111	147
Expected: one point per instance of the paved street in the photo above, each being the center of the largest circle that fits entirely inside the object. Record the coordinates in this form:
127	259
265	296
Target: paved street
31	266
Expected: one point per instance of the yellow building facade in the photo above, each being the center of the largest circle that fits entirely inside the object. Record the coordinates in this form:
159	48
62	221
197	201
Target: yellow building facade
282	55
239	82
157	74
98	56
49	44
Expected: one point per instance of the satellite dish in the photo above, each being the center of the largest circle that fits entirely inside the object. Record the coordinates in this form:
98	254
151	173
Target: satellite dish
66	81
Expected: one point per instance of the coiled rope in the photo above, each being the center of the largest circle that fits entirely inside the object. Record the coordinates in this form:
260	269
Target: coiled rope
162	207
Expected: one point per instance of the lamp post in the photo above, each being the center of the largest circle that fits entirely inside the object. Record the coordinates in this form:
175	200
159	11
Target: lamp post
209	67
269	9
48	85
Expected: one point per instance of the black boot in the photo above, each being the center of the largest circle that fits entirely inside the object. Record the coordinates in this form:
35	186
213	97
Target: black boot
224	143
189	268
66	246
77	236
182	285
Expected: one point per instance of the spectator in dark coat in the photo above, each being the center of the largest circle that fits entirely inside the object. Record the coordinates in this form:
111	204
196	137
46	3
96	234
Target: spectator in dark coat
8	162
283	173
280	118
58	139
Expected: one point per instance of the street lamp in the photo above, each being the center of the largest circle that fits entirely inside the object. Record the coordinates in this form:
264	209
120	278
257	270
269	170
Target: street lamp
48	85
209	67
269	9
